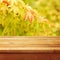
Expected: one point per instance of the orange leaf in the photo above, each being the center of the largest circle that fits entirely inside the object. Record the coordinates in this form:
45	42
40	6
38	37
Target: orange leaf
6	2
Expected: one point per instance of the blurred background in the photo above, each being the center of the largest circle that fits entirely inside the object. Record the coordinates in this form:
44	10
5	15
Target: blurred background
47	10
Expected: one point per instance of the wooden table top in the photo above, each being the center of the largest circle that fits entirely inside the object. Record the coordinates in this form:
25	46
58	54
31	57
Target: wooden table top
30	44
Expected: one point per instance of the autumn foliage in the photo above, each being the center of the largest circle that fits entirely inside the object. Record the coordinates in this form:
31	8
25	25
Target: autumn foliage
20	19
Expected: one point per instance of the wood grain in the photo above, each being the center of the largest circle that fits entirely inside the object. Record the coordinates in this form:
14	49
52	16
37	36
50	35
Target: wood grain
29	44
29	48
30	56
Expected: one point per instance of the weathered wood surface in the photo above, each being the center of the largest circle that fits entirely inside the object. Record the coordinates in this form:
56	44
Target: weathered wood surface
29	44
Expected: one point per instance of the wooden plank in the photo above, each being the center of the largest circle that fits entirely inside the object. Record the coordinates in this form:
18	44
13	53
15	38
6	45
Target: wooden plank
29	56
32	44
